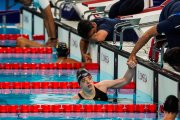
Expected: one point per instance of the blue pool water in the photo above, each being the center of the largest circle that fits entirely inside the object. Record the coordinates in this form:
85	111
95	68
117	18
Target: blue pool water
28	58
81	116
7	43
64	96
60	96
13	30
10	30
12	43
41	75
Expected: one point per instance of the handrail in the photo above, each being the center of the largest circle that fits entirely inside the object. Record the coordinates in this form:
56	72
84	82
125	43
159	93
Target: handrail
124	26
96	13
55	7
88	11
162	54
122	31
116	32
161	50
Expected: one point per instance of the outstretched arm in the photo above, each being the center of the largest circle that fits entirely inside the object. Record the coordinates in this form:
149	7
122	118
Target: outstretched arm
75	97
141	42
125	80
83	48
117	83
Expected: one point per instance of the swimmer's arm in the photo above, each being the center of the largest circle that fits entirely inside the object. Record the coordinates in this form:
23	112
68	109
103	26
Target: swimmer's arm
144	39
99	36
83	48
75	97
120	82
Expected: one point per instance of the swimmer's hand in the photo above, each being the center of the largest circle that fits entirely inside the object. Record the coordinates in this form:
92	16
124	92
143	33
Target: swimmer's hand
132	62
75	97
87	58
51	43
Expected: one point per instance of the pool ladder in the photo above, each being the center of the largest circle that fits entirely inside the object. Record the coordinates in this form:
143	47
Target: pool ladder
159	46
124	26
127	25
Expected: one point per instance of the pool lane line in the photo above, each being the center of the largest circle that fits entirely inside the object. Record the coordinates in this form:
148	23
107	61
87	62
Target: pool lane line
42	66
61	108
49	85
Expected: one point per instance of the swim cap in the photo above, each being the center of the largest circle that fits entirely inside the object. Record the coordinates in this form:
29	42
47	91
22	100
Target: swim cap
171	104
81	73
62	50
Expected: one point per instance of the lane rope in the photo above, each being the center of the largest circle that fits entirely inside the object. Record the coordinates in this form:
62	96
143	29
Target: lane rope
45	108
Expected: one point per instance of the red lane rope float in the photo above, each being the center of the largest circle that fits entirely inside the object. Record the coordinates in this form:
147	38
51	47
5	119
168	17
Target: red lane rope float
48	85
43	50
147	108
91	66
38	37
15	36
12	36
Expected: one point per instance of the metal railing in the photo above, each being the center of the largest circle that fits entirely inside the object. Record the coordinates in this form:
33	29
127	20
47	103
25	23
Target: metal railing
161	50
89	13
124	26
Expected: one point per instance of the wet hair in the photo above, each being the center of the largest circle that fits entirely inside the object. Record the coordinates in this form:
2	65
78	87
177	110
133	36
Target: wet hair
62	49
84	27
171	104
81	73
172	56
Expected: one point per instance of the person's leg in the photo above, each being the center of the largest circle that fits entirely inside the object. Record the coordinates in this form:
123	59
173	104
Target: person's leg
24	42
129	7
114	10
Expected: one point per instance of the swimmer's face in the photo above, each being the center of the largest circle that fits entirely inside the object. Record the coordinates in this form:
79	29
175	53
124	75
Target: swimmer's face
26	2
93	31
87	83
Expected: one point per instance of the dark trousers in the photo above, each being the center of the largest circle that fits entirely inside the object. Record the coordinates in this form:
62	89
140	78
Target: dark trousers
126	7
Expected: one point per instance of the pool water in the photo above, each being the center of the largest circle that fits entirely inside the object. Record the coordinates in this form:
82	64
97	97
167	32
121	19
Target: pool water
41	75
60	96
28	58
13	30
64	96
10	30
81	116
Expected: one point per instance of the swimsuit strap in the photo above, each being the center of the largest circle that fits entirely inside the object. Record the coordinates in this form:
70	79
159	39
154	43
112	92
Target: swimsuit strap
80	96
